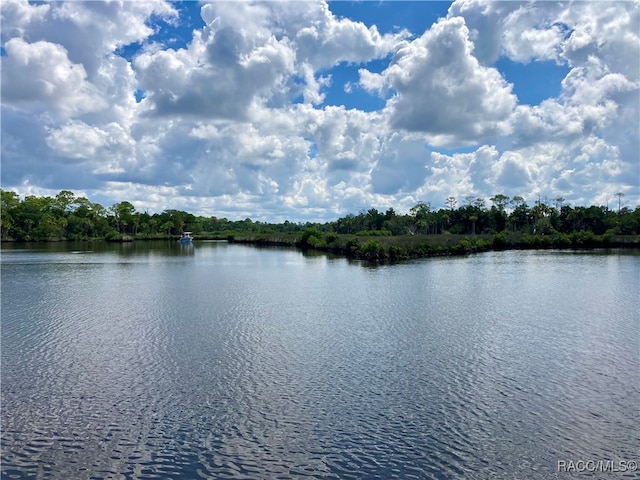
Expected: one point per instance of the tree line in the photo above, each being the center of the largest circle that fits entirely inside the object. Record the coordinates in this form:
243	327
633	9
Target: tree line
512	215
69	217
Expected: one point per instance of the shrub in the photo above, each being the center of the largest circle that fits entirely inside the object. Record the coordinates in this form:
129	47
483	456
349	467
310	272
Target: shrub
500	241
562	240
311	237
315	242
330	237
583	239
372	250
395	252
424	248
353	246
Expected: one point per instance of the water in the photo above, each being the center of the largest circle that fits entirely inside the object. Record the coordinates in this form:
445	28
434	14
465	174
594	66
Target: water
143	361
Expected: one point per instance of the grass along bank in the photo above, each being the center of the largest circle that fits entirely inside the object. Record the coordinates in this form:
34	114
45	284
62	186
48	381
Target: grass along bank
382	248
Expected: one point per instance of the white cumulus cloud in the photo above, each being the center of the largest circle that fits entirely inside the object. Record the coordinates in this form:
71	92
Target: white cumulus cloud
40	75
443	91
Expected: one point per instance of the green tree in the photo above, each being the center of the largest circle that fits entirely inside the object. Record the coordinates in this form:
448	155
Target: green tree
63	203
420	212
34	218
374	219
519	217
8	210
122	214
500	201
628	221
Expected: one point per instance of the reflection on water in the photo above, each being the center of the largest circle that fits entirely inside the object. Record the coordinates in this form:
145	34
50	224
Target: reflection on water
225	361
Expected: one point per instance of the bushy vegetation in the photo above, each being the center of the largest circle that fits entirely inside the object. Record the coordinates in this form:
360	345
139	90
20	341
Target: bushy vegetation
371	234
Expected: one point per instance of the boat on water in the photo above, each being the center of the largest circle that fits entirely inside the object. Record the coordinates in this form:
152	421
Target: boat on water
186	238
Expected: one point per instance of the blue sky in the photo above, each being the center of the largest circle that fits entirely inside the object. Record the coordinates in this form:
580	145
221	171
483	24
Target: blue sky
309	110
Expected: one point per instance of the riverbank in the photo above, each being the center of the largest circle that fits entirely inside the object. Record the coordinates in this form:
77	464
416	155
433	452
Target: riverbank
391	248
402	247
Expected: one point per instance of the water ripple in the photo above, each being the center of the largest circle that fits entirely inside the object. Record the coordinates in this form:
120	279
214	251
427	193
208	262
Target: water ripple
312	369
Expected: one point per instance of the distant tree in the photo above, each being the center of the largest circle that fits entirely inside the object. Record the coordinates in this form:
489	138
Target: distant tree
389	214
443	220
451	203
500	201
595	219
35	218
396	224
619	195
520	214
400	224
628	221
63	202
123	216
479	203
375	219
517	200
498	214
474	219
8	211
420	212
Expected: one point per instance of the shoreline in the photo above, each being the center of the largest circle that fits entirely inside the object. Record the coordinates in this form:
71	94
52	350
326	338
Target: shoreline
382	249
406	247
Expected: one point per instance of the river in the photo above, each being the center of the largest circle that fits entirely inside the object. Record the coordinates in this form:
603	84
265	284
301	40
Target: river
156	360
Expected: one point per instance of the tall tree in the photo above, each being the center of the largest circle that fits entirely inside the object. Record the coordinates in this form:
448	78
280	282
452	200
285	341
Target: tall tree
500	201
619	195
451	202
420	212
8	210
123	216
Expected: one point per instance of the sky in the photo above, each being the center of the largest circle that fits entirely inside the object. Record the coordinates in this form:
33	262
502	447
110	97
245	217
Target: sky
310	110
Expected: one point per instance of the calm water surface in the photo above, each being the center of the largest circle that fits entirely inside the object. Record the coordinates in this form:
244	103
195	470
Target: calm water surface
145	361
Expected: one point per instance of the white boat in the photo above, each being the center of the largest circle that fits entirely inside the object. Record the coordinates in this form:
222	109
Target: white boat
186	238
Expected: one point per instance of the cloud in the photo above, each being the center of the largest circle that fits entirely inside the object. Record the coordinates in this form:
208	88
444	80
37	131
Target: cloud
484	19
16	15
540	44
442	90
311	93
459	175
521	31
326	40
100	150
87	30
40	75
218	76
24	151
513	173
77	140
609	31
599	97
114	24
401	165
250	159
250	54
216	119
